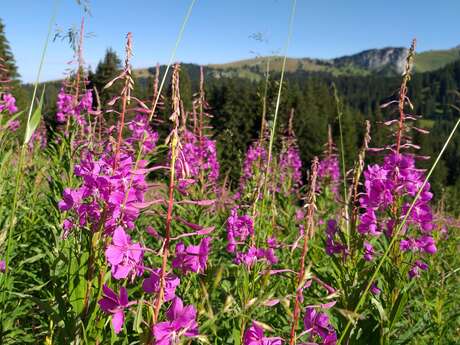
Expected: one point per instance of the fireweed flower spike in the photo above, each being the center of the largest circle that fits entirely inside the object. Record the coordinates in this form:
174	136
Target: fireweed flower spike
114	304
181	323
329	167
290	164
238	228
142	133
197	158
254	335
333	244
256	160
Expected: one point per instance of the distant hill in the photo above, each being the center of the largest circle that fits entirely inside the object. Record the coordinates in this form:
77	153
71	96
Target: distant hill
385	62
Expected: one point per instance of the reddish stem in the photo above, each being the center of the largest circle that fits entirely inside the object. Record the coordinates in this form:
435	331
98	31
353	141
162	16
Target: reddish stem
308	234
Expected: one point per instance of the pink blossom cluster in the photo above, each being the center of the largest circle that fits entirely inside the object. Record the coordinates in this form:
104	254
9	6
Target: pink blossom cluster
141	132
197	158
239	228
8	103
255	159
318	326
68	107
397	182
254	335
291	167
329	173
108	195
334	244
192	258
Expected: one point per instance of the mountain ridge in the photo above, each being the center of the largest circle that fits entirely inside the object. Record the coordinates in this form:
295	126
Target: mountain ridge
388	61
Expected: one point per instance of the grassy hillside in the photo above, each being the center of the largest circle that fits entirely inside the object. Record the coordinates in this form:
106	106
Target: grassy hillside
435	59
254	68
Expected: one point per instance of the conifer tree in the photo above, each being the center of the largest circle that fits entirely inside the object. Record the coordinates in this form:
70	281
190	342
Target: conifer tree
6	55
106	70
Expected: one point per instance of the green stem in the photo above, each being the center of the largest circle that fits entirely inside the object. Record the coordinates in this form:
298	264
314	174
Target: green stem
342	156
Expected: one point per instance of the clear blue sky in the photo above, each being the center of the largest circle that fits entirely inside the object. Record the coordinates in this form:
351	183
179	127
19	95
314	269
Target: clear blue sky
220	30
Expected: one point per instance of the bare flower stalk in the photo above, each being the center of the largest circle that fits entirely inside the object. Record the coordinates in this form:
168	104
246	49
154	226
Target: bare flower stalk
173	144
79	59
201	105
264	103
126	94
353	194
403	94
308	234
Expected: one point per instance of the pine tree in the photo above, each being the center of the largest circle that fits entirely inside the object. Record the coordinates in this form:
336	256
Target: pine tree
6	55
106	70
9	71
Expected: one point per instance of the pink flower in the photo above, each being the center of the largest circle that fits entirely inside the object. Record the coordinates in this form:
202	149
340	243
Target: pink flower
152	284
317	324
115	305
2	266
181	322
254	335
368	251
13	125
192	258
8	102
124	257
414	272
375	290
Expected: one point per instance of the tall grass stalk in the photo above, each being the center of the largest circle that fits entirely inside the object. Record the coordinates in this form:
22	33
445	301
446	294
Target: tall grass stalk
398	230
278	97
342	156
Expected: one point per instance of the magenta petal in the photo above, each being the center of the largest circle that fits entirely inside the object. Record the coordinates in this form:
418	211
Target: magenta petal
121	271
120	238
118	320
175	310
114	255
109	293
123	296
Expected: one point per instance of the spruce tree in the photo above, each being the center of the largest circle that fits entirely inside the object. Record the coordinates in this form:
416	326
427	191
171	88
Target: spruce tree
6	55
9	71
106	70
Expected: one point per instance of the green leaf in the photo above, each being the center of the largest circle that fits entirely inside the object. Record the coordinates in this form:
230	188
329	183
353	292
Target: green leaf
34	120
398	308
78	283
137	325
378	305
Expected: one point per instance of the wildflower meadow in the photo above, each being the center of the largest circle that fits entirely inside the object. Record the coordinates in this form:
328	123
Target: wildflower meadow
120	222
